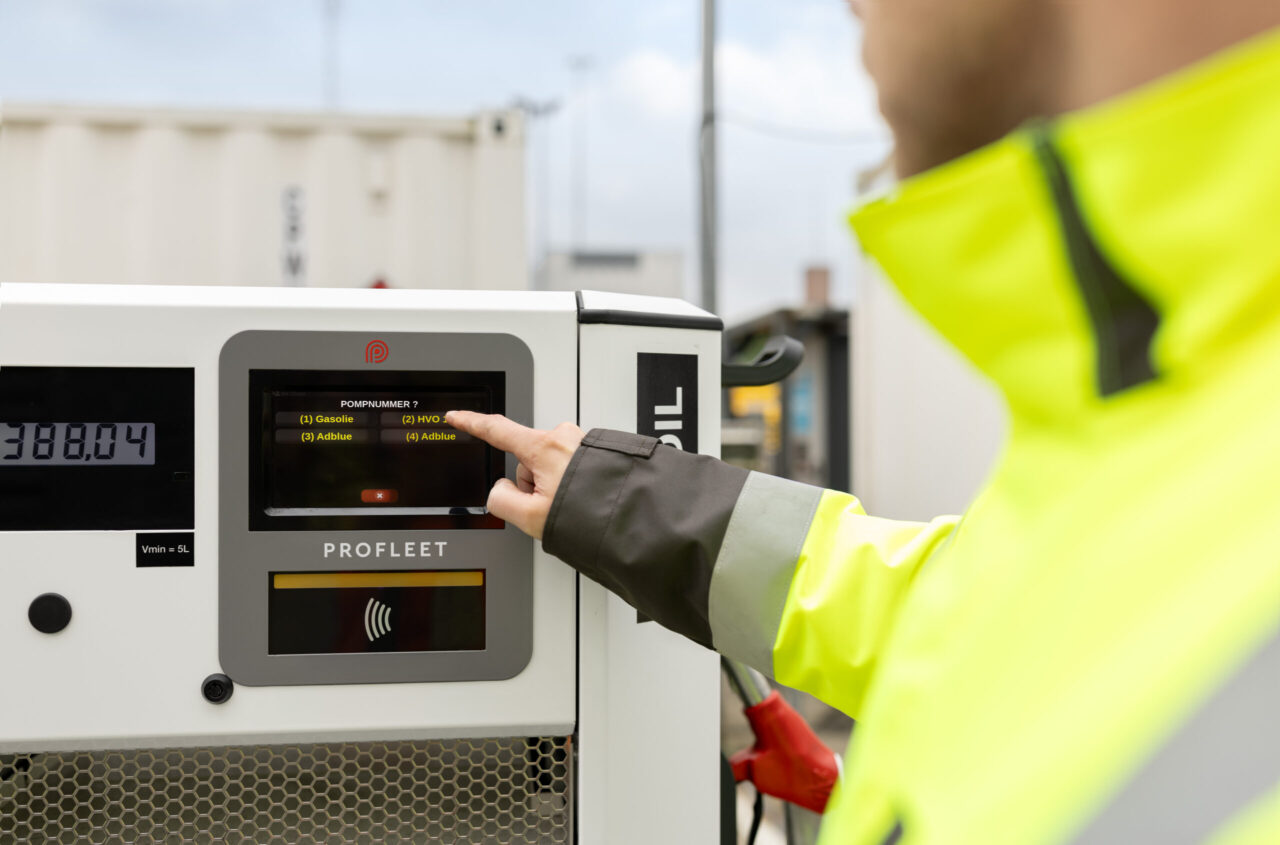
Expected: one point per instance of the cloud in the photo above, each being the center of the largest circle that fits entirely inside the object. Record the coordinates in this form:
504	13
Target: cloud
806	78
658	85
783	201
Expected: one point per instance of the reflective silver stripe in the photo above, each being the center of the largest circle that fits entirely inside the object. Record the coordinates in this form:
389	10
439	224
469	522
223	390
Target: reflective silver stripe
753	571
1220	761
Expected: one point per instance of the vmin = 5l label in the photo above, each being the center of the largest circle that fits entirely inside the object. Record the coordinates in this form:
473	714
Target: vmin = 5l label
156	548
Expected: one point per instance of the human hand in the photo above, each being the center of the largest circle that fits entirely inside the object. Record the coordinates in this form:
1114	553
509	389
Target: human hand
543	457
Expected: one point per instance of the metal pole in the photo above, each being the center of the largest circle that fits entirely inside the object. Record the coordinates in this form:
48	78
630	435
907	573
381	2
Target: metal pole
538	113
332	11
581	66
544	205
708	216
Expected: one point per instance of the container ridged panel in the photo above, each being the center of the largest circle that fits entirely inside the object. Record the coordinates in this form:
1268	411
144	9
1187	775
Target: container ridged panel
456	791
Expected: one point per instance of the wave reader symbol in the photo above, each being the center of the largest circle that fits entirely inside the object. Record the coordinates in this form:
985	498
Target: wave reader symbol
377	619
376	351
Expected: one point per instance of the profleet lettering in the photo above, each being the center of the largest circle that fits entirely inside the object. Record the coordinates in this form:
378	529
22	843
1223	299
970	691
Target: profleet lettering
408	548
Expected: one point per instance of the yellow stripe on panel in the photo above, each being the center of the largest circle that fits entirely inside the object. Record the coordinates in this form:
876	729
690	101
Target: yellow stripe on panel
359	580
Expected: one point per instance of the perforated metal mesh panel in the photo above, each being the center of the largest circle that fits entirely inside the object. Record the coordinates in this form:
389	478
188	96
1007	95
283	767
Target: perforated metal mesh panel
458	791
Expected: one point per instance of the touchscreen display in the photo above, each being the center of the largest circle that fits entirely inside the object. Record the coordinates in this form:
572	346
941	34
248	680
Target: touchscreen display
333	446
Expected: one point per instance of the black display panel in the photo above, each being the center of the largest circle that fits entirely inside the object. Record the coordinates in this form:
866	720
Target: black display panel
350	450
96	448
362	612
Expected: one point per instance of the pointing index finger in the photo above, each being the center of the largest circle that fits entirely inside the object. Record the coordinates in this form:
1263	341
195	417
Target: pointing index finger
496	430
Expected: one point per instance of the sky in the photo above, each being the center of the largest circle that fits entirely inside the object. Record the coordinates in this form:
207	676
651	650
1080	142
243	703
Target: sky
798	113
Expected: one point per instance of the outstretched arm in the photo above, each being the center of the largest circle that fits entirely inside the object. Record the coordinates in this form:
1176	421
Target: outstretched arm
794	580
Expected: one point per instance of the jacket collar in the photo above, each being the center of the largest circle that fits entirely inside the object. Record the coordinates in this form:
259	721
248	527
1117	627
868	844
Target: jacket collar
1176	190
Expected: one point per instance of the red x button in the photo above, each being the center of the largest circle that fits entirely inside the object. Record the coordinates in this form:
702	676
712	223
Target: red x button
379	497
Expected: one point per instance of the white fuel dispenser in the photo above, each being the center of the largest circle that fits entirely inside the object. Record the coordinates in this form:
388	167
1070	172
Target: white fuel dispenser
249	590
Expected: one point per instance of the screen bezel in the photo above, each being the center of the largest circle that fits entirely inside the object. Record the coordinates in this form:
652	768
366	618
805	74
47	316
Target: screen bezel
244	556
263	382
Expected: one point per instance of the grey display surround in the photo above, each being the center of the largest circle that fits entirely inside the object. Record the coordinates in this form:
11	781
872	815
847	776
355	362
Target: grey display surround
246	557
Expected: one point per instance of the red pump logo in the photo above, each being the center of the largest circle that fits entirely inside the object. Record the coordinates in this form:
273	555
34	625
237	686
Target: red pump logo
376	351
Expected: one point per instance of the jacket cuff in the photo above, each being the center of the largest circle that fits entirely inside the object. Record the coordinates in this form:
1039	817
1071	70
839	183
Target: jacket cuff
588	493
647	521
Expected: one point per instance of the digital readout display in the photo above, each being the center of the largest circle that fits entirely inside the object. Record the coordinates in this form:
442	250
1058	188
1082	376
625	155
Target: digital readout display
86	444
97	448
354	452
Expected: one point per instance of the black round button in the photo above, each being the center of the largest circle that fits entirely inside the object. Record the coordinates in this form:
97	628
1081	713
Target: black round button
49	613
217	689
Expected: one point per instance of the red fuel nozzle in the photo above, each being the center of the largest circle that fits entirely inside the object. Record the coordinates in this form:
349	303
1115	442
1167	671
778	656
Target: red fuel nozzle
788	760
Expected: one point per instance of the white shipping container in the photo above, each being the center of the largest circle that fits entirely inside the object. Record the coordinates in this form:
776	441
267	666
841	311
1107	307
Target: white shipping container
160	196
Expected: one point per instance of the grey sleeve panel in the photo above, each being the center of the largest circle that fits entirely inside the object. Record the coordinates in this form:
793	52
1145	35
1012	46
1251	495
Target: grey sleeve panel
756	564
1220	762
646	521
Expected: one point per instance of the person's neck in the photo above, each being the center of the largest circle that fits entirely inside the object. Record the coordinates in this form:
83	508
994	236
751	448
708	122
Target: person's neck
1111	47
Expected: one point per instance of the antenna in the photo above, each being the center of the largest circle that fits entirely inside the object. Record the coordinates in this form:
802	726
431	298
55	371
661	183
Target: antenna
377	620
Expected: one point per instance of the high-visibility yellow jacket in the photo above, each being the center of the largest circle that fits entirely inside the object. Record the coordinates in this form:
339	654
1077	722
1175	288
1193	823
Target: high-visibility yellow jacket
1092	653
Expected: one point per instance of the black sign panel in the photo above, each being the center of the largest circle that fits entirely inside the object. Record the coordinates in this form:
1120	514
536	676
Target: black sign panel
667	402
667	398
166	549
